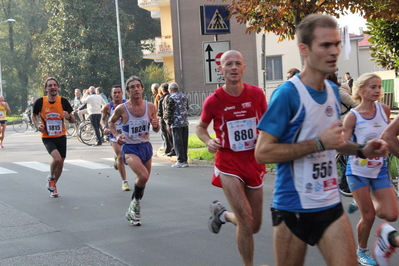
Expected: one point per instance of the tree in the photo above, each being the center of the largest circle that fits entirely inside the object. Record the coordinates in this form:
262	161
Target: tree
384	34
281	17
154	74
80	46
16	46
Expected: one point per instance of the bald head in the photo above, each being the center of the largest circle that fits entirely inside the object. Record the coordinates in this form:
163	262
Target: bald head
226	55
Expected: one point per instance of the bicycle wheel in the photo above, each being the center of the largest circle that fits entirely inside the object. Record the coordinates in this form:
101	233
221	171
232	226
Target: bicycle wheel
20	126
70	129
393	171
194	110
341	161
87	134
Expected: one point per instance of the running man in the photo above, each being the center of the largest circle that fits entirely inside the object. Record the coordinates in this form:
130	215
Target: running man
106	112
301	133
235	109
136	116
4	109
52	109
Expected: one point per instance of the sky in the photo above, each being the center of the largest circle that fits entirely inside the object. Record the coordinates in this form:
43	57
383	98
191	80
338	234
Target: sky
354	22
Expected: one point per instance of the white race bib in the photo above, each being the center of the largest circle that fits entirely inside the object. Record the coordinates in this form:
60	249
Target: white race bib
138	128
2	115
242	134
54	127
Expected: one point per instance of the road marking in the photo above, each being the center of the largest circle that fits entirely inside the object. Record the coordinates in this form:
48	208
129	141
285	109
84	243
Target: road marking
87	164
4	171
42	167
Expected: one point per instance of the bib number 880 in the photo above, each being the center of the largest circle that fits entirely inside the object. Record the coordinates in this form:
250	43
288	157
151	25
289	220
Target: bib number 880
322	169
243	134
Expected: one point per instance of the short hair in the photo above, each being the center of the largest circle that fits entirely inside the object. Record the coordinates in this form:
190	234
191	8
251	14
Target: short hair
154	86
347	73
92	89
77	90
133	78
305	29
48	79
165	87
116	86
173	86
333	77
99	89
293	71
361	82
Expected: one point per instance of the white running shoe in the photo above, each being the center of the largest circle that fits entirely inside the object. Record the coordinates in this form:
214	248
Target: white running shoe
383	250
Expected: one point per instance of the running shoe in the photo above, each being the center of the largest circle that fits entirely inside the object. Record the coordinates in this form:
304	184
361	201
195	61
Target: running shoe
214	223
54	193
1	146
133	213
125	186
364	258
383	250
116	162
352	207
50	184
185	165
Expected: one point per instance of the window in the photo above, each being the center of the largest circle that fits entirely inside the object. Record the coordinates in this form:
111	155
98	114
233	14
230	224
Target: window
274	68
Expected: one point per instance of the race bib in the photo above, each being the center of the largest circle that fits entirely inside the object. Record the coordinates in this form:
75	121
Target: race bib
54	127
138	128
2	115
242	134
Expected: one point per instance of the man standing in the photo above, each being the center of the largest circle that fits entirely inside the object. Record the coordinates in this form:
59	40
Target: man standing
301	133
107	111
94	102
235	109
99	91
136	116
4	109
177	106
349	80
52	109
163	116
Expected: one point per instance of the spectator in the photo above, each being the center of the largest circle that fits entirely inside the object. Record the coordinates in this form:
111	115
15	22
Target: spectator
292	72
94	102
155	94
163	116
349	80
99	90
177	106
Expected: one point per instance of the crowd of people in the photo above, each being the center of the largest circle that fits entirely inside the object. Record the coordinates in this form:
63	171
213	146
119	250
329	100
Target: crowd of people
308	119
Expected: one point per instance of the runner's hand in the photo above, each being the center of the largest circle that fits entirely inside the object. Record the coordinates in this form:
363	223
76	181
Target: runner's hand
332	137
213	145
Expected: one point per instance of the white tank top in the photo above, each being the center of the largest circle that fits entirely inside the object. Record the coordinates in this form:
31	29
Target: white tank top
137	129
315	175
365	130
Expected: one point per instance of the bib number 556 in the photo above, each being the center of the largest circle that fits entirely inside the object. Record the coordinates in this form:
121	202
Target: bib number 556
322	169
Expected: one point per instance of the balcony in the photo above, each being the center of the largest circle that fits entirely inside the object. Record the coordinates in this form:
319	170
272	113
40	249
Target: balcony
152	5
157	48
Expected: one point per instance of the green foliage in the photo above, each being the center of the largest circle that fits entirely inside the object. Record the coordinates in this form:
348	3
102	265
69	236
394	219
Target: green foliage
194	142
281	17
201	154
154	73
385	35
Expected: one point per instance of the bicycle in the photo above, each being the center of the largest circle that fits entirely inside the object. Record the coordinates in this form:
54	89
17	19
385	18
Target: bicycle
393	173
86	133
194	109
21	125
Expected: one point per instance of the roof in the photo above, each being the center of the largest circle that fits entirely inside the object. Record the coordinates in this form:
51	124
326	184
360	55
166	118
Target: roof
365	41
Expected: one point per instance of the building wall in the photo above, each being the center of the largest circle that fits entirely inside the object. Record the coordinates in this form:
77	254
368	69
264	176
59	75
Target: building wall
188	46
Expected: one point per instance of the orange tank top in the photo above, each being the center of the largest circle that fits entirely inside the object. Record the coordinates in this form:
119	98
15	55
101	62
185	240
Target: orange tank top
52	114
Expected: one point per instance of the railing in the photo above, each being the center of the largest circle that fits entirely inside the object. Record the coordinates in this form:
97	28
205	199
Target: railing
158	46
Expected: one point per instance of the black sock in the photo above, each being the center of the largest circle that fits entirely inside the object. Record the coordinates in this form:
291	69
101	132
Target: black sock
391	238
138	192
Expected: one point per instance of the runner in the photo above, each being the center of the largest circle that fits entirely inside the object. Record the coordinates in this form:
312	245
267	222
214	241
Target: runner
136	116
106	112
4	109
52	109
235	109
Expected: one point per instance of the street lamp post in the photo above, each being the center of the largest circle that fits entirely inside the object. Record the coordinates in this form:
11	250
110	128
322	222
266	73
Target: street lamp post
1	79
121	60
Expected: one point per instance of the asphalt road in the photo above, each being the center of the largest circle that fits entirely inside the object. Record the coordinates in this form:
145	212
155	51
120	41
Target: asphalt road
86	224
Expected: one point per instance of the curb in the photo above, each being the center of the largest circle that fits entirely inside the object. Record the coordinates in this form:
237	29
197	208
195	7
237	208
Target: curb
160	154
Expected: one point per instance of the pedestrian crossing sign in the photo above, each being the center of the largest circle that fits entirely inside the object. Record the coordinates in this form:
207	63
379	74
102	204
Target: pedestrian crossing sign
215	20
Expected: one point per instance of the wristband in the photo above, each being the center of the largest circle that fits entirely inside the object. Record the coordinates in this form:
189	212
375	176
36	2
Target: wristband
359	151
320	146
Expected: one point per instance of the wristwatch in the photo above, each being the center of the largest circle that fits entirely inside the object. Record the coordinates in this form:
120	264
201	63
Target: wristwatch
359	151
